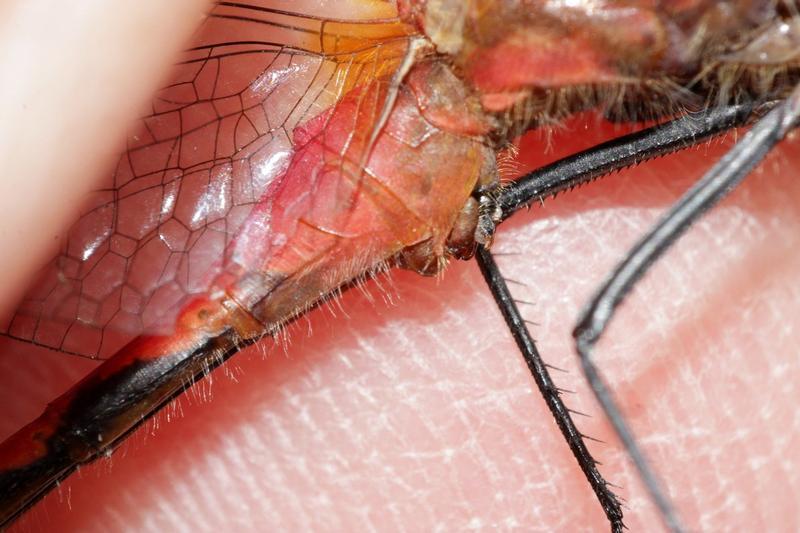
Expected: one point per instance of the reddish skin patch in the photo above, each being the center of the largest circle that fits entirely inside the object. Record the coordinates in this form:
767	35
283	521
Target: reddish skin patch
356	422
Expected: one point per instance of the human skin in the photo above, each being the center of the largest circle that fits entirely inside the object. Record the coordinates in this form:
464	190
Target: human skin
419	413
64	78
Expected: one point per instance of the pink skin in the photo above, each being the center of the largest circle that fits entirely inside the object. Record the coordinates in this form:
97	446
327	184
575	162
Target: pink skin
52	53
421	414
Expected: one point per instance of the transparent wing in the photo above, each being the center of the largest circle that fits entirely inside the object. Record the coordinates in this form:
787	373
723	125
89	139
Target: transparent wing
196	165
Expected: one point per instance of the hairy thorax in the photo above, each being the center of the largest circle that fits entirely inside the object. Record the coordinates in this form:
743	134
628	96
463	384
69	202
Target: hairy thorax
477	74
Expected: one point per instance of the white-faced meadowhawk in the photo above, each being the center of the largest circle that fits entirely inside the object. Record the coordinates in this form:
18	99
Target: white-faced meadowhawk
631	201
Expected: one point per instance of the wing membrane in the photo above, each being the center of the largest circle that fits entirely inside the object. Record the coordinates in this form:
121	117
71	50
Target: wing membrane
215	138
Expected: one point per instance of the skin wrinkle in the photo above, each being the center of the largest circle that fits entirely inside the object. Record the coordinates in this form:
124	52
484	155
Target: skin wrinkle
727	304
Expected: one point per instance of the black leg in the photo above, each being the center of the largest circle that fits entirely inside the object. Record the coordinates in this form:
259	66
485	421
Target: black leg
620	153
547	388
568	173
714	186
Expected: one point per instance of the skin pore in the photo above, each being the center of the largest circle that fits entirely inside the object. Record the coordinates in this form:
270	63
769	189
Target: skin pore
420	413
